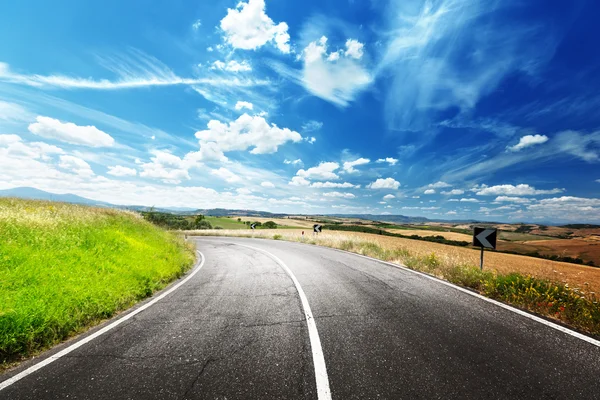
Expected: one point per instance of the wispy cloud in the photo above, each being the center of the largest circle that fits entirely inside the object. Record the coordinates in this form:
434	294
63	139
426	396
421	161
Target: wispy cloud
436	62
132	70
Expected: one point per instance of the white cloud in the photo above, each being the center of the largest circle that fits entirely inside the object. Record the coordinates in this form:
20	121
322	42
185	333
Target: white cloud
354	48
119	170
567	208
196	25
76	165
338	81
293	162
344	185
168	167
339	194
389	197
244	191
433	61
469	200
299	181
389	160
429	191
333	56
323	171
231	66
311	139
349	165
133	70
512	199
13	112
528	141
246	132
68	132
226	175
243	104
511	190
312	126
454	192
439	185
267	184
387	183
451	213
248	27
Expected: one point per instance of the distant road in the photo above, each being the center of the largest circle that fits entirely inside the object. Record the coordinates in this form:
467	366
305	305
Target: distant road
241	328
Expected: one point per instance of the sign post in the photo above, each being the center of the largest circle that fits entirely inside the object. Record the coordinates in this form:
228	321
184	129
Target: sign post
253	226
484	238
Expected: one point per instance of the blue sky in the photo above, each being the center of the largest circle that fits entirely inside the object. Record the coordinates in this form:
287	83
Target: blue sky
448	109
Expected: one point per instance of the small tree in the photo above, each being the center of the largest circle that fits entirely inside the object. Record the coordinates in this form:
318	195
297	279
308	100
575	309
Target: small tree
270	225
203	224
239	220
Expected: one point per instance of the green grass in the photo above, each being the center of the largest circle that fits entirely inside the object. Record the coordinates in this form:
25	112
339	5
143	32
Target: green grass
522	237
226	223
65	267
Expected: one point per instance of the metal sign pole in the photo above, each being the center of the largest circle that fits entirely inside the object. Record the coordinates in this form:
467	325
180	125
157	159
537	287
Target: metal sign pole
481	266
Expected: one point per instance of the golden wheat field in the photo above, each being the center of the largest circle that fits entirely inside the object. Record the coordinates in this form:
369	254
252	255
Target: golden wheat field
423	233
576	276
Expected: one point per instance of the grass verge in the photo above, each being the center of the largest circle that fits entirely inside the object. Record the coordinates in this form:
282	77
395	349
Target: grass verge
554	300
64	267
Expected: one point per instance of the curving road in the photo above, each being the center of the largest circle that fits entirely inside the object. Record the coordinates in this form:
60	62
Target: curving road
244	326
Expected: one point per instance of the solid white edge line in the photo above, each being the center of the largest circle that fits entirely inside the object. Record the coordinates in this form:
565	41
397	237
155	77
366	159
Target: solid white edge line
321	378
479	296
102	331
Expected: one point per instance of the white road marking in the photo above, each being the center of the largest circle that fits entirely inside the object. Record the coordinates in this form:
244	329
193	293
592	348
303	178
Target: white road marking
323	391
479	296
102	331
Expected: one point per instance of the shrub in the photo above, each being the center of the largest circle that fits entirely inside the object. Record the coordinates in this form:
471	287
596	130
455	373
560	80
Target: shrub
270	225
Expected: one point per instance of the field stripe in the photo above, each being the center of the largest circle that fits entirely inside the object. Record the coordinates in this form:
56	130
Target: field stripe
102	331
321	378
479	296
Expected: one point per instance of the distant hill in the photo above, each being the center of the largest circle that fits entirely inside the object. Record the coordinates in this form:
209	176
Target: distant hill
36	194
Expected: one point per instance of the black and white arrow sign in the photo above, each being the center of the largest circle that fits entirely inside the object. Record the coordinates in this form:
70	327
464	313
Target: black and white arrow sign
317	228
485	237
253	225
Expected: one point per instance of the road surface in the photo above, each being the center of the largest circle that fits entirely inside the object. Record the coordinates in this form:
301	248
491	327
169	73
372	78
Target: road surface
239	329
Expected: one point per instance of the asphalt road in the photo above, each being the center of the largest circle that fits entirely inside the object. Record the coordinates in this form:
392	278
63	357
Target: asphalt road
238	329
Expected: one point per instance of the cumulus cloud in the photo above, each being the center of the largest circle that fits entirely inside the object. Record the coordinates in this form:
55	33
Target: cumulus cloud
511	190
354	49
349	165
387	183
168	167
299	181
323	171
340	195
454	192
429	191
528	141
243	104
511	199
68	132
226	175
469	200
231	66
390	160
76	165
248	27
267	184
293	162
246	132
439	185
119	170
389	197
334	79
331	185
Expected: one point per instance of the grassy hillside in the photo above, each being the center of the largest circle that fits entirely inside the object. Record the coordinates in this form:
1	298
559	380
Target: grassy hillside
64	267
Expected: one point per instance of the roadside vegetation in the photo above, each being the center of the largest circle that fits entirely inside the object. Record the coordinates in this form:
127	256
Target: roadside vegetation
381	230
574	306
65	267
